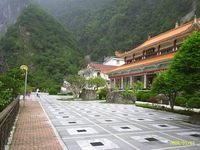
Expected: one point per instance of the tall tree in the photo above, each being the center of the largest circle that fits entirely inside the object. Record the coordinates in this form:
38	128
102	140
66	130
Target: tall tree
186	64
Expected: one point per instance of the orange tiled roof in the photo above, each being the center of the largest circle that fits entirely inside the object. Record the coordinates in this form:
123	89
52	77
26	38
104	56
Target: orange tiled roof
161	37
101	67
143	62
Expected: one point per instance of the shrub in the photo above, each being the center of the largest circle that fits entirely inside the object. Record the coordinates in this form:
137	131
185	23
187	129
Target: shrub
5	98
194	102
102	93
143	96
129	95
54	90
181	101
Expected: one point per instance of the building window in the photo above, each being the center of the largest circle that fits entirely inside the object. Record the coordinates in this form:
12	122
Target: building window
98	74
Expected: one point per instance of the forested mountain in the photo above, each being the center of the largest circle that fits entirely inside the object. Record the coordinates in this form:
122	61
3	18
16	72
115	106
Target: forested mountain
96	28
40	41
103	26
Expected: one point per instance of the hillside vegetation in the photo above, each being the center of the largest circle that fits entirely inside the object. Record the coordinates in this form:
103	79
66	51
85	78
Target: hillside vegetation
103	26
40	41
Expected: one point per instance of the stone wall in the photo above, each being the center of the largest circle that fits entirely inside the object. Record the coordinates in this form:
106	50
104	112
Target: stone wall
88	94
117	97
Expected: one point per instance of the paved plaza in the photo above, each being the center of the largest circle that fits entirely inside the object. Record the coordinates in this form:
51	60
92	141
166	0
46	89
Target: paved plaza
90	125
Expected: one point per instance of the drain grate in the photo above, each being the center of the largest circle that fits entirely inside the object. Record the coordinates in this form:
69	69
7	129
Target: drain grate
97	144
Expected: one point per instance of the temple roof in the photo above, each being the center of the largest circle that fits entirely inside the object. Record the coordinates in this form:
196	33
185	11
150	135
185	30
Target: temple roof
143	62
173	33
101	67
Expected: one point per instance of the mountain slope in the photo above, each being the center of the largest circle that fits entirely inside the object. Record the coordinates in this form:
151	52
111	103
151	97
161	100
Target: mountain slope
39	40
103	26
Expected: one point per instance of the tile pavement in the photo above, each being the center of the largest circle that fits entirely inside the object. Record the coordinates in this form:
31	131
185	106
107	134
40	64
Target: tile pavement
91	125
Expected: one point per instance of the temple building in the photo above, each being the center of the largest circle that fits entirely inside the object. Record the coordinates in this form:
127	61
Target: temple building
145	61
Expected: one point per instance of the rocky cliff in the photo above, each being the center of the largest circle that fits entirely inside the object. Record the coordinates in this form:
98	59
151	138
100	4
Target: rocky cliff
9	11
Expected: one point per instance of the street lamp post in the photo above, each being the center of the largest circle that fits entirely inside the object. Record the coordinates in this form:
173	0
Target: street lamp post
25	67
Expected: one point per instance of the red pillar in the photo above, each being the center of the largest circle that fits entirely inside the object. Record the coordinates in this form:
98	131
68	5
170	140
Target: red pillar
174	47
158	53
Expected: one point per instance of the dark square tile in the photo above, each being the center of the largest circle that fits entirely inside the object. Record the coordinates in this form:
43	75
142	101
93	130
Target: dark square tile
125	127
151	139
82	130
65	116
97	144
108	120
72	122
195	135
163	125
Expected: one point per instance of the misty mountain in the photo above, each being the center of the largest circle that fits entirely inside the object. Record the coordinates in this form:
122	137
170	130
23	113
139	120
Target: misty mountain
9	11
103	26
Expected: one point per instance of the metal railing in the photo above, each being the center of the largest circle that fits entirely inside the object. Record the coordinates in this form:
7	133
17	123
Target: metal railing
7	119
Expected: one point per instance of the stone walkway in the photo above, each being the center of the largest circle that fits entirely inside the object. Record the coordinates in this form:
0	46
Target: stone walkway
33	130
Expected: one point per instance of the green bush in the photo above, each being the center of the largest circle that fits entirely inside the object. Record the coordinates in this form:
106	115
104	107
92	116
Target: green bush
194	102
54	90
5	98
129	95
143	96
102	93
181	101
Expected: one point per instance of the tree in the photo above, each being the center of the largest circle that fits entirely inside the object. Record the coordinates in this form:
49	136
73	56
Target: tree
77	83
165	83
186	65
183	72
97	82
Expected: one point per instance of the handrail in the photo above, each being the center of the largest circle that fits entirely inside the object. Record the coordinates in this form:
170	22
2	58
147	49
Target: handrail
7	119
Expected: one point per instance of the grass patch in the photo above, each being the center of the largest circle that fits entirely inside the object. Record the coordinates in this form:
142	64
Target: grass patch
188	112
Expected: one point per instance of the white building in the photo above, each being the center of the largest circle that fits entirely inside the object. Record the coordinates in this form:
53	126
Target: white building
113	61
94	70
